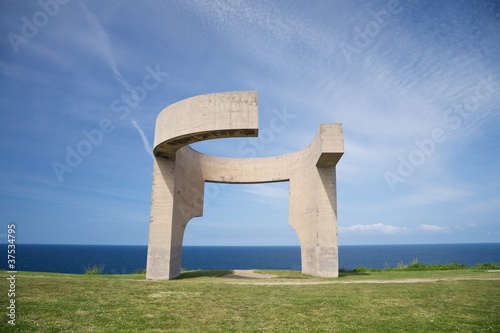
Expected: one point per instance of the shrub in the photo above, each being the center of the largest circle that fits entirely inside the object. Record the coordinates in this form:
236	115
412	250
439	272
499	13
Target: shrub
415	265
94	270
487	266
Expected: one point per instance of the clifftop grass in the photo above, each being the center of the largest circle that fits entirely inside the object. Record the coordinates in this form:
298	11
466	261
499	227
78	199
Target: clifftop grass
415	265
205	301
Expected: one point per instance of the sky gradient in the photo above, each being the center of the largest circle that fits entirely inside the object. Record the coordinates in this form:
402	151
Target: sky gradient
416	85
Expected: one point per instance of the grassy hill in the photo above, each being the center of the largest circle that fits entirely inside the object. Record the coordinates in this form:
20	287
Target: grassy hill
465	300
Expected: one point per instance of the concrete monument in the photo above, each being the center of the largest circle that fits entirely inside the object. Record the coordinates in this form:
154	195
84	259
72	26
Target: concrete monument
180	173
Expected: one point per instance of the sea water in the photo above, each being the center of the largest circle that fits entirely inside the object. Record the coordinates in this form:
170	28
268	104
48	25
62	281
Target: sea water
128	259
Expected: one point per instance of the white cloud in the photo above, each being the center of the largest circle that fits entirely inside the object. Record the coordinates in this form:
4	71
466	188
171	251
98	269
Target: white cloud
433	228
387	229
377	228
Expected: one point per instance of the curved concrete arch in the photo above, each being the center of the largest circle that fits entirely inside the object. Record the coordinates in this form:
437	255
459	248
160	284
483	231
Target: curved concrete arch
204	117
180	173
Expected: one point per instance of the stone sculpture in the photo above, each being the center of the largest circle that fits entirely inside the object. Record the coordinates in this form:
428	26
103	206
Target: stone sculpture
180	173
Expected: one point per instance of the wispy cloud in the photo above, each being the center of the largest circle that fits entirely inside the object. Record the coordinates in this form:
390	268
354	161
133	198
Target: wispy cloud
266	191
267	25
464	228
147	145
433	195
105	44
108	54
488	205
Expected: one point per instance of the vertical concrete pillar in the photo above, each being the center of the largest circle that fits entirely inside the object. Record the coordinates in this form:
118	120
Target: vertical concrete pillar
313	216
326	251
177	197
161	249
313	202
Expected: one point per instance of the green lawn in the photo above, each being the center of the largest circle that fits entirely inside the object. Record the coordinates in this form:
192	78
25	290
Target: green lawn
203	301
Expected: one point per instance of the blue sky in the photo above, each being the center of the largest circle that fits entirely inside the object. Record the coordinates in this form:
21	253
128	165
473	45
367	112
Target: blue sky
416	85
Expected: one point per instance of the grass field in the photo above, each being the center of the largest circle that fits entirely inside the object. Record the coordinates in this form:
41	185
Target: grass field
465	300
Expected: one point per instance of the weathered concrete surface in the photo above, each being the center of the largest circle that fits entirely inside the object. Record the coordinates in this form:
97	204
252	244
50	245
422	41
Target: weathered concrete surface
180	173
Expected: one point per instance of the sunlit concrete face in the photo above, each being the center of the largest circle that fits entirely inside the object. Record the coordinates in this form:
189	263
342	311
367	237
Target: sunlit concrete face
180	172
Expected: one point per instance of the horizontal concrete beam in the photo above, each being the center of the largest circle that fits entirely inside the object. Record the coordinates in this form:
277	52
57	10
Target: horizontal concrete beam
331	137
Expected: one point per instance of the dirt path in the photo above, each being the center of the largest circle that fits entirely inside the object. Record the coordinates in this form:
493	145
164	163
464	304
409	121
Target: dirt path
250	274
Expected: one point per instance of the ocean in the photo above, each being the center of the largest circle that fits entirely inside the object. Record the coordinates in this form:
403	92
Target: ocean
128	259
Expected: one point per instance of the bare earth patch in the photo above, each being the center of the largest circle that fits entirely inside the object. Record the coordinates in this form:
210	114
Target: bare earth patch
248	274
